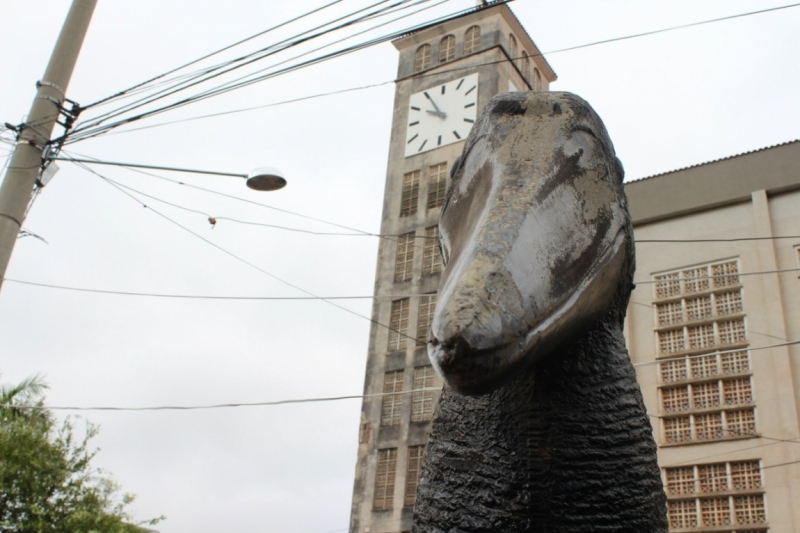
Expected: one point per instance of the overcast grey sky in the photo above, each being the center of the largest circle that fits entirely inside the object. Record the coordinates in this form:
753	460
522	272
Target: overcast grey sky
668	100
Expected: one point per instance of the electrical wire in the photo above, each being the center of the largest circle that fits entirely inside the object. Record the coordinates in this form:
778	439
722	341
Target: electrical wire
226	405
358	232
191	78
719	352
233	197
438	72
223	89
214	219
242	260
259	55
715	455
210	297
223	49
233	64
737	239
642	304
253	108
650	282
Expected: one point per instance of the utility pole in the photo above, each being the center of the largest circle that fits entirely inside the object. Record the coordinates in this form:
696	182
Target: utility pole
23	169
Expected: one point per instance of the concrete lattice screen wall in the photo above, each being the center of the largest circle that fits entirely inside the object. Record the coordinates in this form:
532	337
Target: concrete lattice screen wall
726	481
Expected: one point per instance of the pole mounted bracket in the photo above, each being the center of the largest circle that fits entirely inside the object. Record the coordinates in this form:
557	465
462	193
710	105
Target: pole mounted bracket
50	84
56	101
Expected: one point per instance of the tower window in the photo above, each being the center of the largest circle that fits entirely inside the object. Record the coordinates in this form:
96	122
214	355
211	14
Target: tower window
392	404
384	478
410	195
404	261
398	324
422	401
422	58
431	255
413	470
427	304
512	46
447	49
472	39
525	66
537	80
437	185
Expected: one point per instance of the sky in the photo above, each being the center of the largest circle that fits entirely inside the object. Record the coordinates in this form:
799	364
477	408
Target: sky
669	100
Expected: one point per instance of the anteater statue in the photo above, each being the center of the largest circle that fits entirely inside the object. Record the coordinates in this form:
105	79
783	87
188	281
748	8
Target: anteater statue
542	427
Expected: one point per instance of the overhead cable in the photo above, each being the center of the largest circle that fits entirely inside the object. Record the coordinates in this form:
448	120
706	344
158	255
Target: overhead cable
717	352
210	297
80	131
323	399
215	52
437	72
242	260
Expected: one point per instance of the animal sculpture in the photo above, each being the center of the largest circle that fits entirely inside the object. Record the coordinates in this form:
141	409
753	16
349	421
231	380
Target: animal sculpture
541	427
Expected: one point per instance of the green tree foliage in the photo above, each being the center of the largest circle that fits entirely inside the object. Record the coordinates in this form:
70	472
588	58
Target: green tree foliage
47	482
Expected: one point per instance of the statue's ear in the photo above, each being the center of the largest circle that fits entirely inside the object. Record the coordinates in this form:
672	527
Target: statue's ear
454	168
620	169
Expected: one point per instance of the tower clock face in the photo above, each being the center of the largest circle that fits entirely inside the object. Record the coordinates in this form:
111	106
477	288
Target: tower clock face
441	115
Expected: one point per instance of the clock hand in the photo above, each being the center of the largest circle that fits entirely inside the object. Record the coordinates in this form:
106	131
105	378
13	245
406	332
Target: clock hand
438	112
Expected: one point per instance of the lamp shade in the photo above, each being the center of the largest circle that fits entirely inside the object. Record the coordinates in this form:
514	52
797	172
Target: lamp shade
266	179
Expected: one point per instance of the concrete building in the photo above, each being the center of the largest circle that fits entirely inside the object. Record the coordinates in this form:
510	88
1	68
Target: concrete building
710	329
707	327
445	74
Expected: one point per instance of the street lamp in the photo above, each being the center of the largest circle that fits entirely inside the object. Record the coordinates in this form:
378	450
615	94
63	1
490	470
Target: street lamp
259	179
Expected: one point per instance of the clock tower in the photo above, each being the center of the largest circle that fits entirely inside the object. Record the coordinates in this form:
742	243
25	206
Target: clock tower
446	73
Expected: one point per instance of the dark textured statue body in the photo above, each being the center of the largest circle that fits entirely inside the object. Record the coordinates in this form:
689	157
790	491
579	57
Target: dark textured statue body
542	427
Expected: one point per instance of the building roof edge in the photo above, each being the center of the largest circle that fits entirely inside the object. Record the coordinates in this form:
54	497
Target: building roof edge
704	163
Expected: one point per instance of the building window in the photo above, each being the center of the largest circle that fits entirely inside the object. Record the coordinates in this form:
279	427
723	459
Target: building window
705	366
512	46
422	401
716	495
472	39
447	49
404	261
537	80
699	310
431	254
732	402
526	66
364	432
437	185
409	197
413	471
398	325
422	58
392	404
427	304
384	478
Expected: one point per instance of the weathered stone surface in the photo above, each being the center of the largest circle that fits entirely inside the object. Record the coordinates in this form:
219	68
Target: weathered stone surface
538	244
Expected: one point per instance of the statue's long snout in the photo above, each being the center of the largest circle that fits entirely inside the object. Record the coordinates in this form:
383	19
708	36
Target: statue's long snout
533	228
